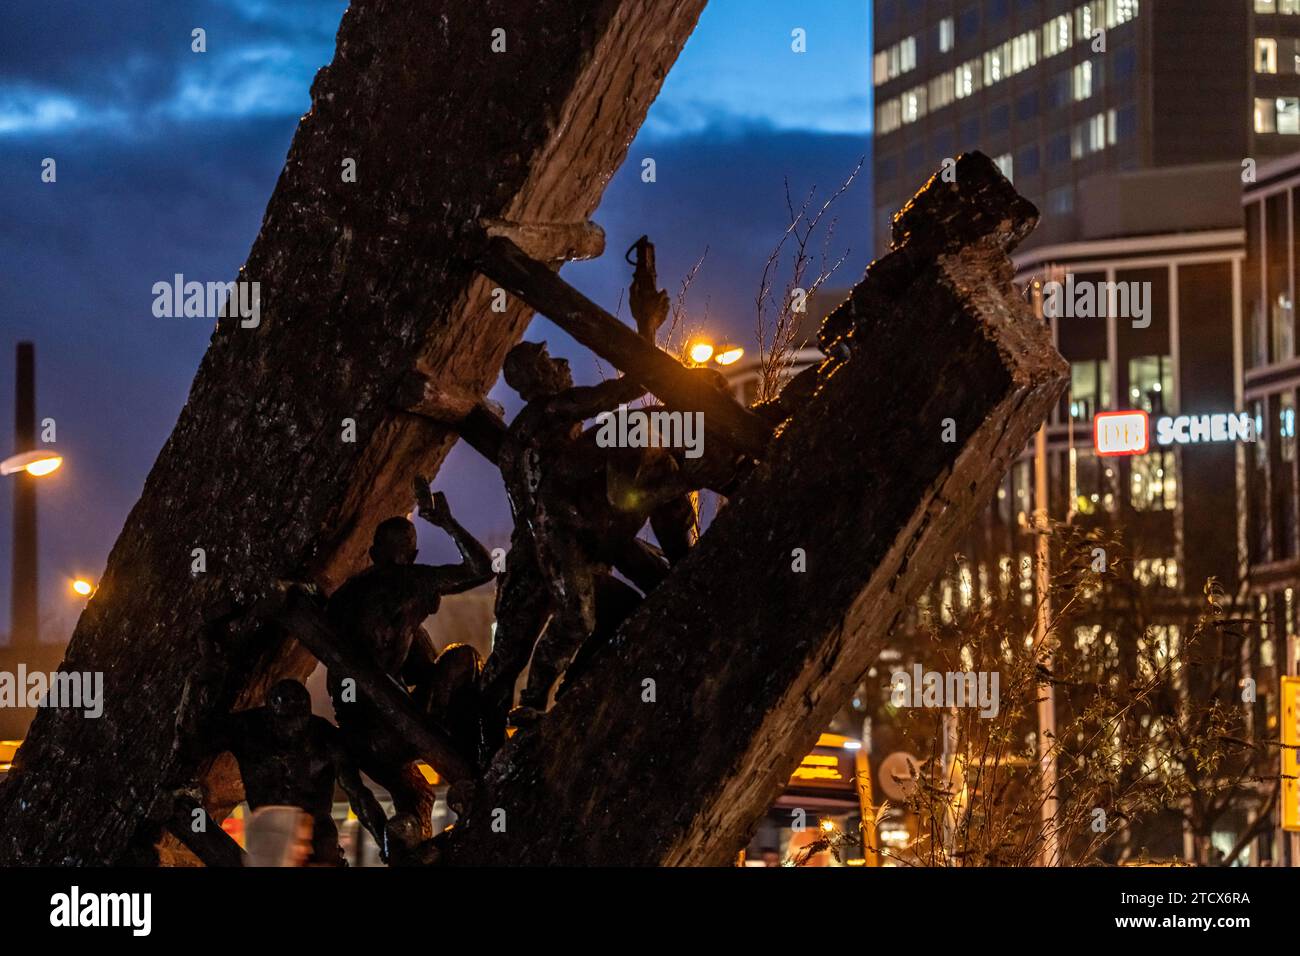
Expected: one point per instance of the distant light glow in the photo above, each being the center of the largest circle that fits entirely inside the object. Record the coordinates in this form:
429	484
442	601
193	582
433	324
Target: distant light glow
83	587
729	356
700	352
35	463
44	466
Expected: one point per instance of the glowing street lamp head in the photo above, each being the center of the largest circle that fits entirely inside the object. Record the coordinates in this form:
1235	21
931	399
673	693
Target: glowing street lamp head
35	463
700	352
729	355
83	587
44	466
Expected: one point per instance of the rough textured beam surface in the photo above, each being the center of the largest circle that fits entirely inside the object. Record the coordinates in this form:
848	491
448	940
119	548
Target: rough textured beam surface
749	657
358	281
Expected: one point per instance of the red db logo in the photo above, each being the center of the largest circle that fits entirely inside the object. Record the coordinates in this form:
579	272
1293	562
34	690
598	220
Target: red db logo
1121	433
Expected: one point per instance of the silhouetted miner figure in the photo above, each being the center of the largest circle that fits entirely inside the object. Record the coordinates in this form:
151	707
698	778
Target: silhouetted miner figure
380	613
567	532
289	757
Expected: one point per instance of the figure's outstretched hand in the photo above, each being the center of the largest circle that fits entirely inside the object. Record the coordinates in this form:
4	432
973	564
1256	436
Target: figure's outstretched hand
423	497
433	507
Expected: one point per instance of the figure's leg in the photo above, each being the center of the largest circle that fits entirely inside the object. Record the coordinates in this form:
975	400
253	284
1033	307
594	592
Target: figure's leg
411	793
388	761
675	523
522	607
574	595
325	849
615	602
640	562
452	696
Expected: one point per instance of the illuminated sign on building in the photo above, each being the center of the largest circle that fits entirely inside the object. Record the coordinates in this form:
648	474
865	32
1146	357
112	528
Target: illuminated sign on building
1291	754
1121	433
1195	429
1129	432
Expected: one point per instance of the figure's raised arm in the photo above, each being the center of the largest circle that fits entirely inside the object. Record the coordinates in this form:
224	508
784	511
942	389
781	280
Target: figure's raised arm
587	401
476	567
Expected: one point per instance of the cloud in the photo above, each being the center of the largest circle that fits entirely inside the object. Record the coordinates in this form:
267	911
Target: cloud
126	68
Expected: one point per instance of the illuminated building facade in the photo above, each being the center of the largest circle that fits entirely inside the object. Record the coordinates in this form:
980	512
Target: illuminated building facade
1029	82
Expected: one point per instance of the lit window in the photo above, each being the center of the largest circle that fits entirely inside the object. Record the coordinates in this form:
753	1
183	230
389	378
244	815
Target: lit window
889	116
946	34
1288	114
1286	425
1283	325
1081	85
1024	51
1161	572
1056	35
1264	116
1266	6
1089	388
992	67
1265	55
967	79
908	54
941	91
914	104
1153	481
880	70
1097	133
1150	383
1094	490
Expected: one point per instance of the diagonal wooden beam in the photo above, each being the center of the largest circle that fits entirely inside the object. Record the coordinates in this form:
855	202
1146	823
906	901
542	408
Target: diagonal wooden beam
759	635
289	451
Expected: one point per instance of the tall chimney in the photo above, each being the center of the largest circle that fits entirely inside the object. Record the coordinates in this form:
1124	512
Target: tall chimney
23	626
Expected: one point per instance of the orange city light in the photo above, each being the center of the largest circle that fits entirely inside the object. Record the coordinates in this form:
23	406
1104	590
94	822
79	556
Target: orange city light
35	463
729	355
83	587
700	352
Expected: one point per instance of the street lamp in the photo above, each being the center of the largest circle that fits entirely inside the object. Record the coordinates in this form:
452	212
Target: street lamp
726	355
82	587
35	463
701	351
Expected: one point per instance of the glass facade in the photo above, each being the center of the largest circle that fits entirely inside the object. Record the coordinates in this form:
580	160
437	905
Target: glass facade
1268	315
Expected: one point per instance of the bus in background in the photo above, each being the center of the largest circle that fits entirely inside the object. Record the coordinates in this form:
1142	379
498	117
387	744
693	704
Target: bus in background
817	819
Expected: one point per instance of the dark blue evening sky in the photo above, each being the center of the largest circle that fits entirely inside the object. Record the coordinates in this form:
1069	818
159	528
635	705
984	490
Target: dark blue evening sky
166	159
